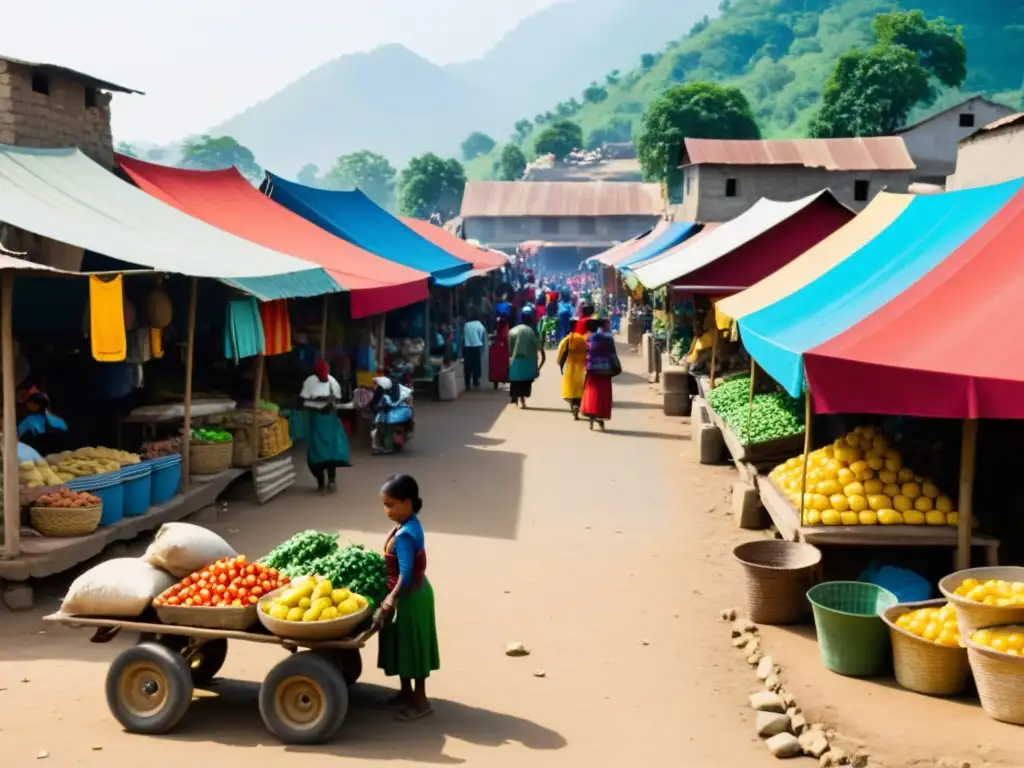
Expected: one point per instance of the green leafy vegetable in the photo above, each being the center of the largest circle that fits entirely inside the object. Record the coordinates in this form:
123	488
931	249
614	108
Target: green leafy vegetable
774	414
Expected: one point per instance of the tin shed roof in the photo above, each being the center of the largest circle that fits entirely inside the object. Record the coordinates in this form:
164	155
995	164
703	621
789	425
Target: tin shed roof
881	153
71	74
556	198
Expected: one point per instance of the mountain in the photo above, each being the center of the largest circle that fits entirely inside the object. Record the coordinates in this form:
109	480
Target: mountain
780	53
555	53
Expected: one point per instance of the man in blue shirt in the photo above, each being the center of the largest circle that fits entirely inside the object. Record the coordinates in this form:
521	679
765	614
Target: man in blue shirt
473	337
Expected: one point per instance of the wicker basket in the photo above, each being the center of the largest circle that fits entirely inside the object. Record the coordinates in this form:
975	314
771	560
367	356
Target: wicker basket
210	458
777	576
1000	681
972	615
66	522
239	619
921	665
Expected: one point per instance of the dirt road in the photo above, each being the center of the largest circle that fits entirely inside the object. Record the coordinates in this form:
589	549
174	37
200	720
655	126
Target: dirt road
598	551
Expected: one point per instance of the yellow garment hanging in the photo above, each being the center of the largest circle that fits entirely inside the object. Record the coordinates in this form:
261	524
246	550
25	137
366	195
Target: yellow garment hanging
106	320
156	342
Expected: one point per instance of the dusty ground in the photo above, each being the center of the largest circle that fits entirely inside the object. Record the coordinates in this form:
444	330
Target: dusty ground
606	554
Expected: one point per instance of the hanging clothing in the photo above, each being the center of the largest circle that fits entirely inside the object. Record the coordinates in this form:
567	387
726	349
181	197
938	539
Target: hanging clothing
106	319
243	329
277	327
156	342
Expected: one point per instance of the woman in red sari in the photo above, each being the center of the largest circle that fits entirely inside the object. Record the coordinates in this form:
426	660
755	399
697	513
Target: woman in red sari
602	366
497	365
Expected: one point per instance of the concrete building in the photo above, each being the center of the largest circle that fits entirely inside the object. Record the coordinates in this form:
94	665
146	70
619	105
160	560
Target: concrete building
991	155
44	105
723	178
504	214
932	142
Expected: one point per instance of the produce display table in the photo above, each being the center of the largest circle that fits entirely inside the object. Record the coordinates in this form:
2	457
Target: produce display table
787	520
764	455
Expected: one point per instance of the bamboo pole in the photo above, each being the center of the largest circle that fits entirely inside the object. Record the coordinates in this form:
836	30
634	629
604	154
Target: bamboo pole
750	403
426	333
807	450
323	331
257	386
965	504
714	357
189	354
12	500
380	342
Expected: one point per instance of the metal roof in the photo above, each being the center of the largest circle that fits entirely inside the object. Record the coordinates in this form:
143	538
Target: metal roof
880	153
1004	122
81	77
954	108
561	198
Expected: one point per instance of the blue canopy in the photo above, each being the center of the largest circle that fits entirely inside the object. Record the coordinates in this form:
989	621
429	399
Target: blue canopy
356	218
677	232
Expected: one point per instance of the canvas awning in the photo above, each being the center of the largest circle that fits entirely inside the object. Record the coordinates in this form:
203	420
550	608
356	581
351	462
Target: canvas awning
946	347
224	199
654	245
858	232
481	258
722	262
353	216
63	195
627	248
929	230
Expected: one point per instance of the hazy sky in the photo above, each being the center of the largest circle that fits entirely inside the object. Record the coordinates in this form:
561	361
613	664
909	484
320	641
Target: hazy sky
202	62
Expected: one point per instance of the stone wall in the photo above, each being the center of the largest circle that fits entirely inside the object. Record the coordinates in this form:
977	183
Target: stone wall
58	119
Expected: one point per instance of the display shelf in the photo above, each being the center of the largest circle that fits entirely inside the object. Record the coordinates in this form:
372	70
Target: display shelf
764	455
787	520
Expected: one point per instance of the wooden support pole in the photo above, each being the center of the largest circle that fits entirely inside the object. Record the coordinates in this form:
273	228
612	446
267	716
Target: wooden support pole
426	333
965	504
12	499
190	344
257	386
807	450
714	357
323	330
381	327
750	403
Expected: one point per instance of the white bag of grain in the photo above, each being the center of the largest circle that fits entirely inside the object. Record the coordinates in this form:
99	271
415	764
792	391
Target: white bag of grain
123	587
182	548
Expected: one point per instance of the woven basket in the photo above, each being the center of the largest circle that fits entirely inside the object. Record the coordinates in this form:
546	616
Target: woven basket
65	522
972	615
921	665
1000	681
210	458
777	575
212	617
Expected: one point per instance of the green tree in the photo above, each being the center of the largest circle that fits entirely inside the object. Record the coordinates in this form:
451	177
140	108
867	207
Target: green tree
157	154
477	144
648	60
210	153
595	94
871	93
366	171
613	77
696	111
618	129
511	163
127	149
522	129
432	185
308	175
559	139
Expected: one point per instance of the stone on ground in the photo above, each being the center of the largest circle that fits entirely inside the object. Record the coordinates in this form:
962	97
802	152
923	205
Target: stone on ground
784	745
766	701
516	649
765	668
18	597
813	743
771	723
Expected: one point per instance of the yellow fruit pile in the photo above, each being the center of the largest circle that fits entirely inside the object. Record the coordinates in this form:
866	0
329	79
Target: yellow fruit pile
860	480
994	592
937	625
1009	640
312	598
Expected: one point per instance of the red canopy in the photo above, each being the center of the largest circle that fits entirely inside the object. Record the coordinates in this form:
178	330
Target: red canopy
456	246
947	347
224	199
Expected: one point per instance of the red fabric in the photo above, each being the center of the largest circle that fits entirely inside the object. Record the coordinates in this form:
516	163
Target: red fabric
456	246
224	199
322	370
597	397
581	326
277	327
419	568
498	360
755	260
947	347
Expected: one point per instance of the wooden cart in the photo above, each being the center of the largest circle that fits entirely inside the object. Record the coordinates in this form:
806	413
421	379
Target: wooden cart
303	699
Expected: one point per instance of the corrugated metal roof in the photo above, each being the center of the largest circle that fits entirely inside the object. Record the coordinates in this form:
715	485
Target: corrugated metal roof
554	198
72	74
954	108
1004	122
880	153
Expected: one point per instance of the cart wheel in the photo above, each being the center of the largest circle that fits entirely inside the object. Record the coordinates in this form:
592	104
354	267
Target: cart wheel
204	664
348	660
149	688
304	699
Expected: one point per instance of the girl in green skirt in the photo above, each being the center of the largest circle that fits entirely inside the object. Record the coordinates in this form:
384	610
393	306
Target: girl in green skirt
408	634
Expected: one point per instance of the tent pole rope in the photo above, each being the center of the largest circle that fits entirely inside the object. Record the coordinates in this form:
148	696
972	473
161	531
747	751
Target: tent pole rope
323	329
965	504
714	357
750	403
189	354
807	451
12	500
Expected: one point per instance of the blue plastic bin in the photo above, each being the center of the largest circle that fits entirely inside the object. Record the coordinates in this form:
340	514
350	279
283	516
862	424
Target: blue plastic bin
165	479
108	488
908	586
137	481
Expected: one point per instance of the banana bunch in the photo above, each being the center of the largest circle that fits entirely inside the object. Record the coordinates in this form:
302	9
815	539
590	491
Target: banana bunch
37	474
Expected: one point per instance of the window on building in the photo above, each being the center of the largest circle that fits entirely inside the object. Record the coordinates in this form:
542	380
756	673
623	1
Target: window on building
689	184
861	189
549	225
967	120
588	225
731	187
90	97
41	83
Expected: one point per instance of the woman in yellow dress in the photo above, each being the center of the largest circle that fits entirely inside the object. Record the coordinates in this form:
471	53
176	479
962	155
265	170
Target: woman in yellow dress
572	361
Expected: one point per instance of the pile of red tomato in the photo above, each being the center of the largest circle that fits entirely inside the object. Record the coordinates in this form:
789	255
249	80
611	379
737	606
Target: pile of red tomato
228	583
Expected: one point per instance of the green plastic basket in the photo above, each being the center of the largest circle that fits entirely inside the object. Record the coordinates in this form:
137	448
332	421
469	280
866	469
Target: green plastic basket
852	637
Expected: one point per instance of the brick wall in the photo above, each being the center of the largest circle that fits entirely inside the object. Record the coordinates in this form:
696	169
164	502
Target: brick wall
58	119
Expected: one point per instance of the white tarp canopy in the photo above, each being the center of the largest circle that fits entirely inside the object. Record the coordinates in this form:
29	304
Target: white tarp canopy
691	255
63	195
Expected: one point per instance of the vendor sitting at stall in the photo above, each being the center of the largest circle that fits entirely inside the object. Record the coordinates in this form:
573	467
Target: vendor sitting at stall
392	416
327	444
41	429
